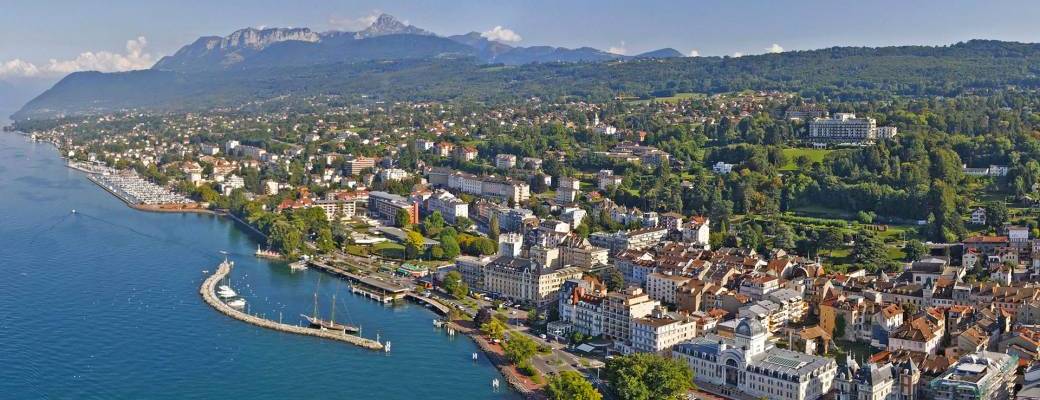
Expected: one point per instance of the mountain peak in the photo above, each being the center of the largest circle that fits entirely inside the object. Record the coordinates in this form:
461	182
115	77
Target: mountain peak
386	24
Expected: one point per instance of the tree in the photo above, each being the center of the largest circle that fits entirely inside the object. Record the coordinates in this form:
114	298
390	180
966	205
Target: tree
869	251
570	385
914	250
463	223
519	348
784	237
454	285
839	326
286	237
433	224
413	244
450	246
613	279
493	229
494	329
996	214
644	376
326	243
403	218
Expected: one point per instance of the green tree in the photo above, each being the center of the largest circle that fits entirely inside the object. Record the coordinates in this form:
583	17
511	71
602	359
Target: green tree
454	285
493	229
494	329
914	250
450	245
414	244
286	237
326	244
433	224
869	252
996	214
402	218
648	377
839	326
570	385
519	348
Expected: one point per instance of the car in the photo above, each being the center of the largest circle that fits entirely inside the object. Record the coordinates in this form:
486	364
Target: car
542	336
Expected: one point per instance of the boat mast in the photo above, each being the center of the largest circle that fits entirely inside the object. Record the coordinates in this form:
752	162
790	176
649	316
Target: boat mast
315	305
332	317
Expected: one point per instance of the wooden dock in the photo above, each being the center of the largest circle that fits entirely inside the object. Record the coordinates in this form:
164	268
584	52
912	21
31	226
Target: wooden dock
208	293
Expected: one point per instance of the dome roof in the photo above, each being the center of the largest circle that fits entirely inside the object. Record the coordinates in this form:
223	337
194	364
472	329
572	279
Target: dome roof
750	327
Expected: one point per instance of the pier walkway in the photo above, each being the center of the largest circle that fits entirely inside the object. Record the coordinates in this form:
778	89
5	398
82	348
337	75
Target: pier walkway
208	293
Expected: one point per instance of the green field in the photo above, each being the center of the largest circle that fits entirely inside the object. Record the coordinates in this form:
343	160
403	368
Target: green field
671	99
815	155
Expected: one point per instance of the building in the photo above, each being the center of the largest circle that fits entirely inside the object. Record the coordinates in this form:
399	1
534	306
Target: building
631	240
606	179
451	208
578	252
887	132
664	288
482	186
472	270
805	112
343	209
384	206
568	189
659	331
620	308
355	165
978	216
878	381
505	161
392	174
747	363
984	375
522	280
722	168
697	231
581	305
843	128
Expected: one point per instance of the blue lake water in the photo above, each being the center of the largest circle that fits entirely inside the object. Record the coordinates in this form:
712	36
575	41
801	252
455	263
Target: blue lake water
104	304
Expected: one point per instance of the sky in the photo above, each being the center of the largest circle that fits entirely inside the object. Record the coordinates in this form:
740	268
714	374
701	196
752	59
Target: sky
48	39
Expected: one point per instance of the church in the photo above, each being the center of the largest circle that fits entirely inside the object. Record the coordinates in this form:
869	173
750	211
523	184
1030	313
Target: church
750	364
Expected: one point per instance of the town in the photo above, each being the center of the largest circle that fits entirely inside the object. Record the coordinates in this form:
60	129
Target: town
758	243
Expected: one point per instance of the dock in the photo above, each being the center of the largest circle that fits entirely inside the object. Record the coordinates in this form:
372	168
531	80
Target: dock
208	292
379	290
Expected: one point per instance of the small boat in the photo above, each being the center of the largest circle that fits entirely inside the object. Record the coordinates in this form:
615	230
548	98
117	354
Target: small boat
438	323
298	266
386	347
237	303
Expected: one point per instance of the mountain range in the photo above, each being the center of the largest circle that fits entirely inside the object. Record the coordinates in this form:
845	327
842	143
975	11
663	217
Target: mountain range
386	39
391	60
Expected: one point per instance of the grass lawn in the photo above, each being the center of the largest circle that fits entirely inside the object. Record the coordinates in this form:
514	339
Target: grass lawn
388	249
672	99
815	155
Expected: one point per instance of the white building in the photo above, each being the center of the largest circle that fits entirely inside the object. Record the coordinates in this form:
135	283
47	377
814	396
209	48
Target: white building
749	364
505	161
721	168
660	331
451	208
568	189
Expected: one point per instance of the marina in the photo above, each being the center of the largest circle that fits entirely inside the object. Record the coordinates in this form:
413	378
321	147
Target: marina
129	322
208	292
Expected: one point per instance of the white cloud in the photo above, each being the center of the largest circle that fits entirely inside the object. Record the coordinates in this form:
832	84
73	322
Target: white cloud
775	48
694	53
104	61
738	54
500	34
354	24
19	68
619	49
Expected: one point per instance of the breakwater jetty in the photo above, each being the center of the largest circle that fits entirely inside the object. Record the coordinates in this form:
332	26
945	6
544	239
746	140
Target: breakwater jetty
208	292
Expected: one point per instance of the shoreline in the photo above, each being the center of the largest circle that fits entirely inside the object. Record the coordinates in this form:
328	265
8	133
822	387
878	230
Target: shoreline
207	290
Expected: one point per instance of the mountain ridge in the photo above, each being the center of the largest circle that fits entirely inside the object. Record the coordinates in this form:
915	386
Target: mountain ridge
838	72
254	48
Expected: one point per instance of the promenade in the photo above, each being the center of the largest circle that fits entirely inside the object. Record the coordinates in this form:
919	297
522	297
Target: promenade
208	292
